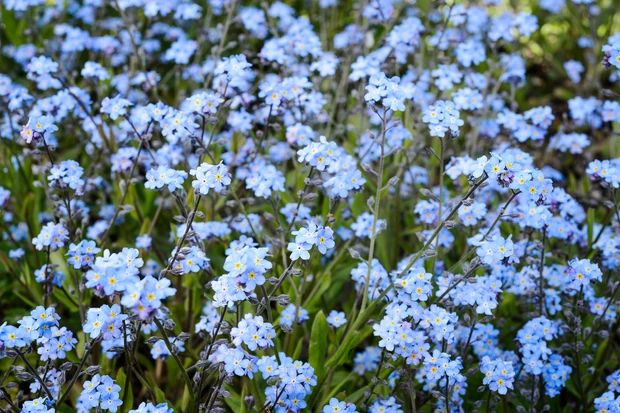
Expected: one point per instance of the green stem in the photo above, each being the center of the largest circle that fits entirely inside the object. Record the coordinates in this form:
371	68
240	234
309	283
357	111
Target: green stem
35	374
375	219
186	378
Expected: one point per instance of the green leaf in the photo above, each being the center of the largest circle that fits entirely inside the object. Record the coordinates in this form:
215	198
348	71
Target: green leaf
160	396
590	227
298	348
355	335
65	301
13	28
234	401
24	299
357	395
323	284
340	379
318	344
359	204
127	398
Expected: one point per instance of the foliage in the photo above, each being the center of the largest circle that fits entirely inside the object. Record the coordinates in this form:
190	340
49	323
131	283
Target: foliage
329	206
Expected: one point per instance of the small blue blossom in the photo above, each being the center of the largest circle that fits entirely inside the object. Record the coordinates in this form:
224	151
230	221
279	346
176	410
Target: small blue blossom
336	406
52	236
115	107
498	374
163	176
209	177
336	318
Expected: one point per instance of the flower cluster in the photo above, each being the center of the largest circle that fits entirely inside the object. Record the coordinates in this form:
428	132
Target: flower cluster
253	332
307	237
498	374
162	176
208	177
67	174
243	206
101	393
387	91
82	255
246	266
52	236
612	51
441	118
114	273
293	381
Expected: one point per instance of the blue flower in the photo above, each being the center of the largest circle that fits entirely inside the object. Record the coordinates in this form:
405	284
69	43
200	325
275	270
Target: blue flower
498	374
336	318
100	392
115	107
52	236
336	406
163	176
441	118
209	176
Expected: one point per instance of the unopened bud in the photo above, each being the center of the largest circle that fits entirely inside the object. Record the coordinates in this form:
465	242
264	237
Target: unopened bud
393	181
356	255
427	193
